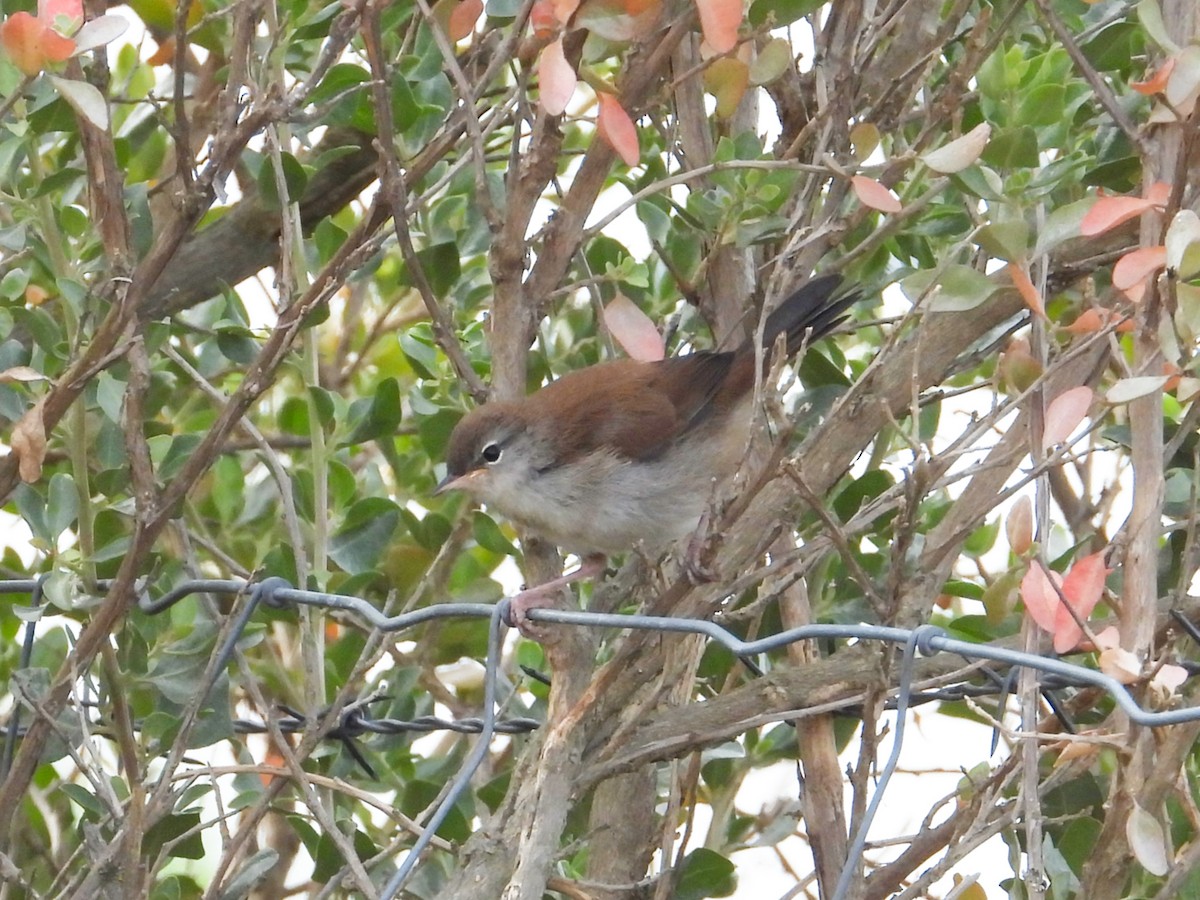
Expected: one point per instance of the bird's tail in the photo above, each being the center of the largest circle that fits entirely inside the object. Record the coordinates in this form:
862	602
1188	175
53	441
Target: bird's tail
809	314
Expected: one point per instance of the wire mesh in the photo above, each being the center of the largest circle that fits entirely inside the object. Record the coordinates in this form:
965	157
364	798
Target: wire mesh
926	640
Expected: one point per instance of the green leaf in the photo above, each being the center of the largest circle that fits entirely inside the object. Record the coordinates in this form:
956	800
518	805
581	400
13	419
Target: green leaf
62	506
489	537
360	543
377	417
1006	240
705	873
253	871
170	829
110	396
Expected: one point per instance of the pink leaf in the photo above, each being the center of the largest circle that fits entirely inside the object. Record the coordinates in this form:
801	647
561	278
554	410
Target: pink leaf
1134	268
633	330
463	18
1064	414
62	15
1019	526
557	78
719	20
1040	597
615	127
873	194
1084	584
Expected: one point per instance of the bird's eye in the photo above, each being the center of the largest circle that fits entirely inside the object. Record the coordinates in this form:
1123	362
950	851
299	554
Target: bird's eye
491	453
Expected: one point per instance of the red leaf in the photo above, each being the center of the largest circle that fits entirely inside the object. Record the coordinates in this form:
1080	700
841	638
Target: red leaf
1135	268
719	20
873	194
557	78
633	330
1024	285
615	126
1157	82
1064	414
463	18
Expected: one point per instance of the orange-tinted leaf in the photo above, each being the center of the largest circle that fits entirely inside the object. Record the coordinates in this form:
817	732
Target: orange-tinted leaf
36	295
1064	414
616	128
1157	82
31	45
1109	212
463	18
719	20
1024	285
556	78
1095	318
633	330
543	19
165	54
873	194
727	79
1135	267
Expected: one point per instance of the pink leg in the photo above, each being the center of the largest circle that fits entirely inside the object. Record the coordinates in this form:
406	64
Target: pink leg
536	597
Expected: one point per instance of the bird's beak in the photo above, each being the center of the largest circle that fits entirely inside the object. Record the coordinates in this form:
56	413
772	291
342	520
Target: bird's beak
456	482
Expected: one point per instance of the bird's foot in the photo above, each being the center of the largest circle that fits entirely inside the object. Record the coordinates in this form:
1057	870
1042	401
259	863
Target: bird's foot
542	596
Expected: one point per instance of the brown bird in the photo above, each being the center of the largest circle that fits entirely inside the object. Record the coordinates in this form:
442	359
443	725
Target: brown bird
625	451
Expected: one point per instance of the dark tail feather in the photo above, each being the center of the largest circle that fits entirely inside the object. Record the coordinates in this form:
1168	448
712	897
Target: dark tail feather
810	313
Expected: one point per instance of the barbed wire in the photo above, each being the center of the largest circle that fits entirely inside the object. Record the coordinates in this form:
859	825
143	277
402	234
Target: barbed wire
926	640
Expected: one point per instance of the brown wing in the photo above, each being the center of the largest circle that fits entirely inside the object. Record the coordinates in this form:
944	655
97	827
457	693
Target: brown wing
637	408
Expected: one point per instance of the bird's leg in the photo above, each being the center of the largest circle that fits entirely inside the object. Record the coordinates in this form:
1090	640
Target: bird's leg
537	596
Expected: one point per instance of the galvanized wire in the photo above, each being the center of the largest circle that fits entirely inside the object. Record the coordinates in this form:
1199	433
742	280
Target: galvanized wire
926	640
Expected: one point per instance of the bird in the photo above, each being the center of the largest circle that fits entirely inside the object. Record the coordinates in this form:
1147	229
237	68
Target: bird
626	452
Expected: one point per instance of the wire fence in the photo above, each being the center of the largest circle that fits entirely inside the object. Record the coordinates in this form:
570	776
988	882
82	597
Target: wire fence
925	640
